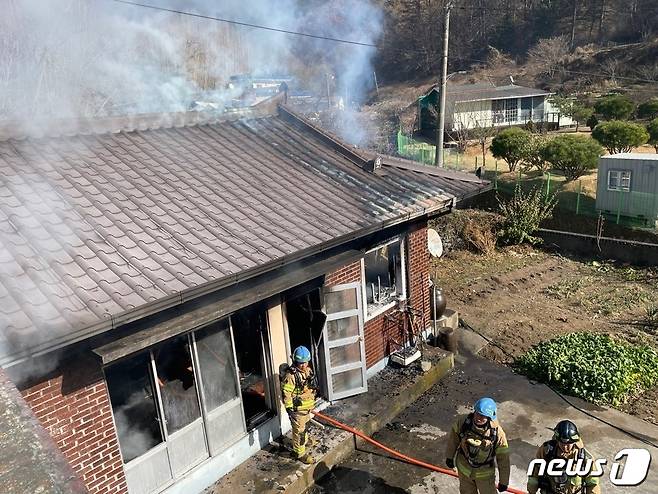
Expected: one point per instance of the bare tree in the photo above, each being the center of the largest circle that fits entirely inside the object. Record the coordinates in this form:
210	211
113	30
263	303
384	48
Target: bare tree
549	54
482	132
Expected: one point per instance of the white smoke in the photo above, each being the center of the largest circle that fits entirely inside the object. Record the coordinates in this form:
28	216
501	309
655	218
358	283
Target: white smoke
87	58
94	58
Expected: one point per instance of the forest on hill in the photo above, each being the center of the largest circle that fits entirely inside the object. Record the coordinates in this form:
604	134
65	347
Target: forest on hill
517	29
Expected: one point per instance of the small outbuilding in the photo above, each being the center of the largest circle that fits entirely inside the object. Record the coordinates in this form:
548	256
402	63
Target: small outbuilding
628	186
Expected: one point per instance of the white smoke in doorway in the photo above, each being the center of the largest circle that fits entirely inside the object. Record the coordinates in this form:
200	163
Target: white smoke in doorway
94	58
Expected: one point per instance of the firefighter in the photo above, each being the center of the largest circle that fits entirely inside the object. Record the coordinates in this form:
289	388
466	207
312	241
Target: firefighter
566	444
479	443
299	389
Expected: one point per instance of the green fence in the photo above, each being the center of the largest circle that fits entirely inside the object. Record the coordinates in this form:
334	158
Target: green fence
426	153
631	209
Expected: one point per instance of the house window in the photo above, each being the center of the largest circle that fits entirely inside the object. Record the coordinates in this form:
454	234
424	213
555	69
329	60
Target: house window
511	110
133	398
383	277
619	180
498	111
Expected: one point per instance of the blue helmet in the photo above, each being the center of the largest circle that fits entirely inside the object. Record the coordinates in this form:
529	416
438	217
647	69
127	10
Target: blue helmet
301	355
486	407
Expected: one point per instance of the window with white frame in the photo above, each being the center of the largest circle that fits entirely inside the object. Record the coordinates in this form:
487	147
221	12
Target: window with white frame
619	180
383	274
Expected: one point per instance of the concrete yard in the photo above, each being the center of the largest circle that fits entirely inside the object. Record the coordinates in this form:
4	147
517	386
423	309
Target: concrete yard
526	410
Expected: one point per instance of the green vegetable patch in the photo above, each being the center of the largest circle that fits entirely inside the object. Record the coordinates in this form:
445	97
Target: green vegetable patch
592	366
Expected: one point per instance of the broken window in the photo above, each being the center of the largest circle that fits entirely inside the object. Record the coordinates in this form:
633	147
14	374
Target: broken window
383	277
217	364
250	335
132	395
173	362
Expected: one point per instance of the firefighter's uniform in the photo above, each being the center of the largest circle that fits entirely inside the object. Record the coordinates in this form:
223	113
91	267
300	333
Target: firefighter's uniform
298	390
550	450
478	451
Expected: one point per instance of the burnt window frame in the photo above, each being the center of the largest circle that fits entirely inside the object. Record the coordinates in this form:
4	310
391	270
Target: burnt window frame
403	280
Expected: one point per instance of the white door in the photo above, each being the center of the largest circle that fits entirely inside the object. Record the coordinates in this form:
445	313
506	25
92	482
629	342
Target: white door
344	348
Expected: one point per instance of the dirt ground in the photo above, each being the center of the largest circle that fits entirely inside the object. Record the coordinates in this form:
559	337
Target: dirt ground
520	296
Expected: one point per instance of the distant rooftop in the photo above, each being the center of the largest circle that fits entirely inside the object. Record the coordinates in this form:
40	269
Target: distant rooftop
633	156
461	93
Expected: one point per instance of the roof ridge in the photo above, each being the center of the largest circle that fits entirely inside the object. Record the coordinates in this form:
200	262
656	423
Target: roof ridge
70	127
371	160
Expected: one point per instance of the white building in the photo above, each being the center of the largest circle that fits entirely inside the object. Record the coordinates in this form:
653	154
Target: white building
470	106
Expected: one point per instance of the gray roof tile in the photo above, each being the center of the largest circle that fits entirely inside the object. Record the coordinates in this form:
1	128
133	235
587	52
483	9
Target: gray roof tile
96	225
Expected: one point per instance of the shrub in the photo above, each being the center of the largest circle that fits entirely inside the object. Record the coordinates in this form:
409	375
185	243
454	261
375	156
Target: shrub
592	366
648	109
592	121
620	137
581	114
614	107
522	215
652	129
532	154
481	235
509	145
574	155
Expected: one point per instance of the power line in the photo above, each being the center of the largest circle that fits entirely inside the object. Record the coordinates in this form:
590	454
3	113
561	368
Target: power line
247	24
577	72
352	42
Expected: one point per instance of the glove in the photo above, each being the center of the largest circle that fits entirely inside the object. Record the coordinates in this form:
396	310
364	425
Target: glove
296	402
502	487
450	463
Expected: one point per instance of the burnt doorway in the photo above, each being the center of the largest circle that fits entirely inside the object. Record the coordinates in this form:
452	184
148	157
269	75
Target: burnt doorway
253	359
305	320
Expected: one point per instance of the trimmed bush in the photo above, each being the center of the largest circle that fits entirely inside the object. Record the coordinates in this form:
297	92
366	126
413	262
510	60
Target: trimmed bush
620	137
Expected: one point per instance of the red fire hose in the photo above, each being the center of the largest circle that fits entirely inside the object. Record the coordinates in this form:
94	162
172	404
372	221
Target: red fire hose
397	454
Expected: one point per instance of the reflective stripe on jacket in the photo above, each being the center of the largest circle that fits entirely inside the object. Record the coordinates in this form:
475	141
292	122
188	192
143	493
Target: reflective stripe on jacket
458	445
573	484
298	385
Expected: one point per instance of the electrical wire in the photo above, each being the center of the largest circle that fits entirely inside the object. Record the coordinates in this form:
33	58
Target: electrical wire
353	42
247	24
633	434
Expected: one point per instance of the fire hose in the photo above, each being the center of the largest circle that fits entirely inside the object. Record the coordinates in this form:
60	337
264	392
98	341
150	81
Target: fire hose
397	454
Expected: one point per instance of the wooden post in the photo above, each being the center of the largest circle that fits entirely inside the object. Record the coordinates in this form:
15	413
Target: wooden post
496	176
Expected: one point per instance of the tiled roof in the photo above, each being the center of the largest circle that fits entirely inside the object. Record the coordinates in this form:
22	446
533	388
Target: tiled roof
93	227
478	93
462	93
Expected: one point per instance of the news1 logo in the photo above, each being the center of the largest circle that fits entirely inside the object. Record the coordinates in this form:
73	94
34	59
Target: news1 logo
635	468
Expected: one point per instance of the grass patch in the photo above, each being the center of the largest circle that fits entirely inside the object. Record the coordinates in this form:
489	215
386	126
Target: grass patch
592	366
566	288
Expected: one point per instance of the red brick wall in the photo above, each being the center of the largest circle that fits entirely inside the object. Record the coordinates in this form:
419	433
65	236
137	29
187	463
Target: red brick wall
74	408
418	265
381	331
347	274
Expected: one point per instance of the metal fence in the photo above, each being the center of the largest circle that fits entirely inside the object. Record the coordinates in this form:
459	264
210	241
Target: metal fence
426	153
581	202
578	201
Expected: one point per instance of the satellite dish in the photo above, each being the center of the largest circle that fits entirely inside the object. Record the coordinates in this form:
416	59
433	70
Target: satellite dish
434	243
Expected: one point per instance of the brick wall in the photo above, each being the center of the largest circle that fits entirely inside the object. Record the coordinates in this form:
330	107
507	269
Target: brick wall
381	331
74	408
347	274
418	264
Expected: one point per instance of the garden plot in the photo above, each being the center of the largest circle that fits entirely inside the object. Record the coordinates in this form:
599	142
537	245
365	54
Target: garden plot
520	296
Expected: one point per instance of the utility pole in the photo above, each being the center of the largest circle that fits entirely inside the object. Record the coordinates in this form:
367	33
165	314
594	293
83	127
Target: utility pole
440	128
